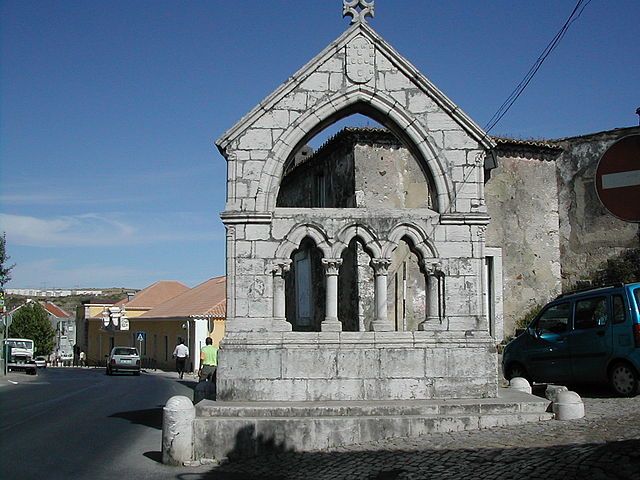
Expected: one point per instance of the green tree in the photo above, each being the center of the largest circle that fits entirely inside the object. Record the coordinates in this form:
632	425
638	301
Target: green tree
31	321
5	270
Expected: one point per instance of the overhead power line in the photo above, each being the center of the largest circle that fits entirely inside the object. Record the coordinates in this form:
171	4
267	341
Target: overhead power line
504	108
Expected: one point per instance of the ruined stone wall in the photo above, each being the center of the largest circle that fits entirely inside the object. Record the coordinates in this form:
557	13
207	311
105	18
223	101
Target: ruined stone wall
589	235
300	187
389	176
522	199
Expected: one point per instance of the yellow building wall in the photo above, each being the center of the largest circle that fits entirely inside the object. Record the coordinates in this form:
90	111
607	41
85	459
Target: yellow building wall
218	331
156	352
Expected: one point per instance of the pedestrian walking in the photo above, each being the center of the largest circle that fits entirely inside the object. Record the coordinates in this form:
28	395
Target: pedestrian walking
180	353
208	361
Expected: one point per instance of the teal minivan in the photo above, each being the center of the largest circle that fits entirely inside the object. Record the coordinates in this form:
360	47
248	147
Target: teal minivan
588	337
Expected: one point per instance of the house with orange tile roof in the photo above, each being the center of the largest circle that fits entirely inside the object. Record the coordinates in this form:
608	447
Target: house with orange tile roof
193	315
155	318
99	327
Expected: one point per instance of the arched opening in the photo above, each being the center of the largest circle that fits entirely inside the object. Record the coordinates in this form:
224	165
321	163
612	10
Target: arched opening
356	296
407	290
305	288
356	159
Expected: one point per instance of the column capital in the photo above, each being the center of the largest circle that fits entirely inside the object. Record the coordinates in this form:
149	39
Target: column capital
432	267
280	267
331	265
380	265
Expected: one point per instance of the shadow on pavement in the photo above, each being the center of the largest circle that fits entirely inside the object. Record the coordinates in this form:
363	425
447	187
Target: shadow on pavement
585	391
151	417
188	383
156	456
615	460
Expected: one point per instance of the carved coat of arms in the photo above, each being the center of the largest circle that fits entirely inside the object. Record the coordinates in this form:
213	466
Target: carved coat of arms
360	60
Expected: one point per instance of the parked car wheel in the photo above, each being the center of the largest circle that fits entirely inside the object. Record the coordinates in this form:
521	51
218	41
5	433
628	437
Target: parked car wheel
623	379
516	370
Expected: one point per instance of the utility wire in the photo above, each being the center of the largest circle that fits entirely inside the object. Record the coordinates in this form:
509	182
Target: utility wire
504	108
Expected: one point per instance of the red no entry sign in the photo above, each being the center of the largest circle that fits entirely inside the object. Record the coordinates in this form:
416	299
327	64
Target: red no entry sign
618	179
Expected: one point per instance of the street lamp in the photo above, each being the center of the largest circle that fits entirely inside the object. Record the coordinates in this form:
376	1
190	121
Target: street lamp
115	317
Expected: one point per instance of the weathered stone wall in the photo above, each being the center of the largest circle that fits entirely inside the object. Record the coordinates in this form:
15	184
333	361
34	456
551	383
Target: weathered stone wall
589	235
318	366
389	177
522	199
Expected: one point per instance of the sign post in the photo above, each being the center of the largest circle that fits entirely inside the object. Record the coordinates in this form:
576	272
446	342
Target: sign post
617	179
141	337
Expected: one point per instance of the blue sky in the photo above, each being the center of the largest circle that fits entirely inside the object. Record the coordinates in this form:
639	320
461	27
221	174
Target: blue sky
110	110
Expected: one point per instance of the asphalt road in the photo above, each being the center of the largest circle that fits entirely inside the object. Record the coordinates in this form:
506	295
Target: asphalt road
69	423
81	424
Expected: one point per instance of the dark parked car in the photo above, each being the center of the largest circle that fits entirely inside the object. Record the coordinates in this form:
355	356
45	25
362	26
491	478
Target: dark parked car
587	337
123	359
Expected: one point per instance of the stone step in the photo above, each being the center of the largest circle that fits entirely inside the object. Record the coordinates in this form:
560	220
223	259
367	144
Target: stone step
206	408
508	401
222	429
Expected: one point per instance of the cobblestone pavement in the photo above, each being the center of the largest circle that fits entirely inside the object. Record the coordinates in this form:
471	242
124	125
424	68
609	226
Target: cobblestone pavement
603	445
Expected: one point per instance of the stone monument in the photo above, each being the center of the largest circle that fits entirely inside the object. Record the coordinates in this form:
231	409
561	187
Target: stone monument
296	371
284	263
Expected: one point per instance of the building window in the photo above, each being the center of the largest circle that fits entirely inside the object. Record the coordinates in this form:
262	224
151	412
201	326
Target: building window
319	191
304	307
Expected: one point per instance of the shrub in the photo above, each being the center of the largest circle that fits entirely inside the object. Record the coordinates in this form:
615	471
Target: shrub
625	268
524	321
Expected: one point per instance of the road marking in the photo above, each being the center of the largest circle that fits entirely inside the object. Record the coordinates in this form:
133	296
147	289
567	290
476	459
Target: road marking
622	179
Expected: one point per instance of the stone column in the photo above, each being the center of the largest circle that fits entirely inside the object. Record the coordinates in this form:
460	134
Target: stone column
279	270
433	271
231	277
331	270
380	269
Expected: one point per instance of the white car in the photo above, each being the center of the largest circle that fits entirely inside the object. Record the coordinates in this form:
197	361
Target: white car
123	359
41	362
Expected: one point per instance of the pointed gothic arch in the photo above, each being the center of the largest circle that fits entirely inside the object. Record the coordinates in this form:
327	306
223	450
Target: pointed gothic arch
372	103
295	236
356	230
421	241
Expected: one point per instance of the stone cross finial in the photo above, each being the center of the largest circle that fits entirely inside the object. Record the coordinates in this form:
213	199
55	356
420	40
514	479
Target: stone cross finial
350	8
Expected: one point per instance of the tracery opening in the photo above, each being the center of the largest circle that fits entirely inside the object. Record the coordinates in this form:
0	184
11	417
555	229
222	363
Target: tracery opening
305	288
362	166
407	292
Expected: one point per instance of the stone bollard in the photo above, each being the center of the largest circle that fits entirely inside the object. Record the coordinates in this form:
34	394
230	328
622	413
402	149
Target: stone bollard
177	430
520	384
568	406
552	391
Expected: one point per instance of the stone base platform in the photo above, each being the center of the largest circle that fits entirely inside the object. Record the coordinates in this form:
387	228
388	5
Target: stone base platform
245	429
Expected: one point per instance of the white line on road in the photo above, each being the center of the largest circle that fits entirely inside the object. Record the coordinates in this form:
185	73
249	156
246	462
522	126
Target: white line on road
622	179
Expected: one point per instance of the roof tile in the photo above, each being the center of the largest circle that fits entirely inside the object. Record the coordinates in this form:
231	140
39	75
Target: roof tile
205	300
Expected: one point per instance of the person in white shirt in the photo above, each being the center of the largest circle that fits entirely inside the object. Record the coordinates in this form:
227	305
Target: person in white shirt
180	353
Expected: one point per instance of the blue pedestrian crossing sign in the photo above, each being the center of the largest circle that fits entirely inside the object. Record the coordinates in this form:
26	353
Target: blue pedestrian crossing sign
141	336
